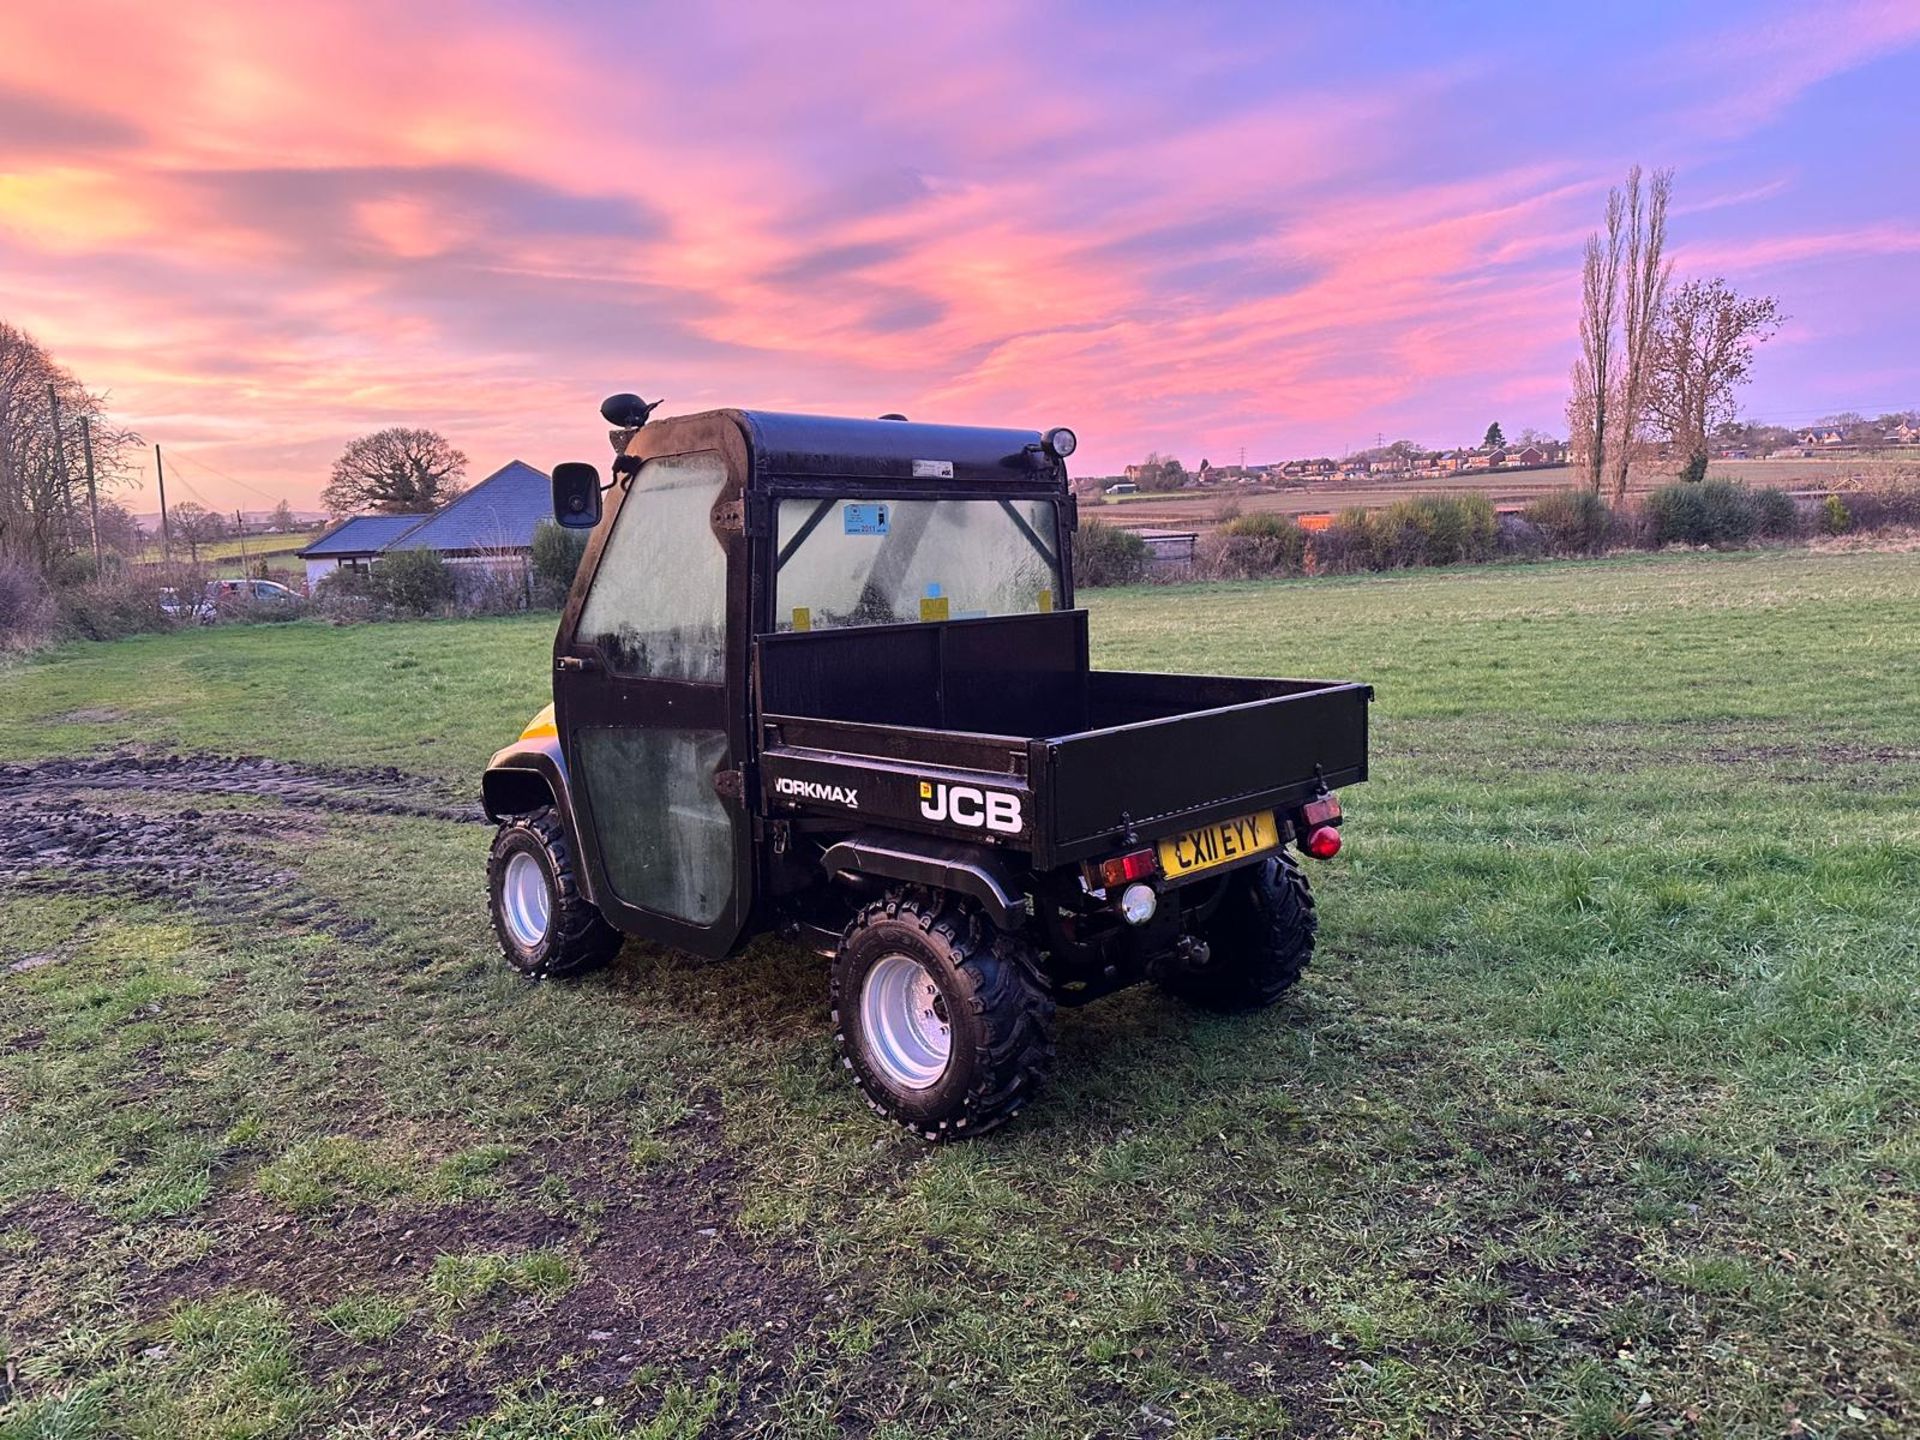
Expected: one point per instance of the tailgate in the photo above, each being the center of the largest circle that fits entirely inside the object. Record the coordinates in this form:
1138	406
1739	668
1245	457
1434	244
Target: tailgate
1164	774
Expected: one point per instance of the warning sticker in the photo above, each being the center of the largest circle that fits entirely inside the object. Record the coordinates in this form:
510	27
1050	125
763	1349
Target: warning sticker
933	469
865	518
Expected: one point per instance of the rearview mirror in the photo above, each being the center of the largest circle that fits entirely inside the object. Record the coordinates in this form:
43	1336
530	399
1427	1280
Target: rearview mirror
576	495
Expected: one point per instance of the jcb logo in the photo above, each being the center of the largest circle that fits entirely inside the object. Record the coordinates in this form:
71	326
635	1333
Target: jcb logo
965	805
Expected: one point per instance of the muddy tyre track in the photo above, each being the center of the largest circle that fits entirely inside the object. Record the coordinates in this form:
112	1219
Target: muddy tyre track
69	827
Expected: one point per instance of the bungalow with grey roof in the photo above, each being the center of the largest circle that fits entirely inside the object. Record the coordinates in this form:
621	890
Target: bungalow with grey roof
489	526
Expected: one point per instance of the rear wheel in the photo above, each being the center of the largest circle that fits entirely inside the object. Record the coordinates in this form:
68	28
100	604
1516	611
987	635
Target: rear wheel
545	925
940	1016
1256	944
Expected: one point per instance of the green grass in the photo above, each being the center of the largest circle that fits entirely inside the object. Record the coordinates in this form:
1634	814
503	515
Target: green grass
1599	1113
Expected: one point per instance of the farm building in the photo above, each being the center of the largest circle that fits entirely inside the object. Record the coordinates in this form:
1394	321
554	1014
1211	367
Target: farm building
489	526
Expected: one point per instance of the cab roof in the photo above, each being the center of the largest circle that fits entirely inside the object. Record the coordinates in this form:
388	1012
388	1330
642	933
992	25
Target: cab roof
827	445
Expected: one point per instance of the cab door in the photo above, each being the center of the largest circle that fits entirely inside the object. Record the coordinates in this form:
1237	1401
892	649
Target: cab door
649	694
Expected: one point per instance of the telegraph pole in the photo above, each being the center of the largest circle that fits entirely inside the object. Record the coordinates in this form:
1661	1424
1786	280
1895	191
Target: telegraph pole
160	474
60	457
93	493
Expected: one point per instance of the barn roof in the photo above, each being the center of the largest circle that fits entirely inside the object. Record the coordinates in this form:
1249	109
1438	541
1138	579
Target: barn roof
500	513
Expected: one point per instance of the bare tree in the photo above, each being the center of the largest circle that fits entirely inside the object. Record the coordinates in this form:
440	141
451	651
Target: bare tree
196	525
1611	375
398	471
43	484
1702	353
1593	372
281	521
1647	274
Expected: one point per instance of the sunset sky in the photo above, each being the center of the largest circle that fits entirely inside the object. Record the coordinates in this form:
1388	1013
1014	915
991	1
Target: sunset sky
1197	228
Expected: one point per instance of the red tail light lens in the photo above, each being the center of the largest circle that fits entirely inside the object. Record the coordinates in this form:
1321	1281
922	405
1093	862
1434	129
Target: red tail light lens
1124	869
1323	843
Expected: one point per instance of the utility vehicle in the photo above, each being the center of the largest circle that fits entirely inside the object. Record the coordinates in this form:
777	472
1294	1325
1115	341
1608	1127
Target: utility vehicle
825	677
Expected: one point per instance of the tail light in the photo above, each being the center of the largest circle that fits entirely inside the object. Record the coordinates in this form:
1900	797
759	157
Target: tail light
1323	810
1123	869
1322	843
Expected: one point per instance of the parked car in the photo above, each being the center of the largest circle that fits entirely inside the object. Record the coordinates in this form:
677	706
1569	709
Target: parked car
174	607
244	593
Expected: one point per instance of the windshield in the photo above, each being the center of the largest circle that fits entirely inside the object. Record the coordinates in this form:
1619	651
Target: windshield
884	562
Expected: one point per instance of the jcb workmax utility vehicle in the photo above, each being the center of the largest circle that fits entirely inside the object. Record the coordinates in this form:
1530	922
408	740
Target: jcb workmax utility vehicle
826	677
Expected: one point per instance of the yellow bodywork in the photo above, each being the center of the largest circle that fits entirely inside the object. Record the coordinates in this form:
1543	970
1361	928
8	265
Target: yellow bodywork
541	727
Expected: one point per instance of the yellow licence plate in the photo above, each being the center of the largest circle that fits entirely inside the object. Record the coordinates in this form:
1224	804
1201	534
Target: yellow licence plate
1214	845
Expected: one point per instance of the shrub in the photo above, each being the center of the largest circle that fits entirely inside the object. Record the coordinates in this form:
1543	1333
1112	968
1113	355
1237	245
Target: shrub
120	603
1882	506
26	609
1518	536
1714	512
1775	515
1694	471
1253	546
501	587
1834	517
1108	555
1571	522
1345	545
557	552
413	582
1431	530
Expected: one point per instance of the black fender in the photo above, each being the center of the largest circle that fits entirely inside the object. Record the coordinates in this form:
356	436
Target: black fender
527	775
976	871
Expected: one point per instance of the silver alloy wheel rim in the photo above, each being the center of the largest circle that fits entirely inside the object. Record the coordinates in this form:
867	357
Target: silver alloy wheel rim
900	1011
526	900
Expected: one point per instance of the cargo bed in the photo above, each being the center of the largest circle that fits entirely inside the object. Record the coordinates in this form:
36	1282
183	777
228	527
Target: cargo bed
1009	704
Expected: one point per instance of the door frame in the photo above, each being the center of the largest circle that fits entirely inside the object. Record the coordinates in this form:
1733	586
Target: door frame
589	695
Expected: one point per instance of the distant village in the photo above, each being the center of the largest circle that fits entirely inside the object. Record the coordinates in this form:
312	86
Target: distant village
1406	459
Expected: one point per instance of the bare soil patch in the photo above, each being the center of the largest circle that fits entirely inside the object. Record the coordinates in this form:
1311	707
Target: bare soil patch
65	829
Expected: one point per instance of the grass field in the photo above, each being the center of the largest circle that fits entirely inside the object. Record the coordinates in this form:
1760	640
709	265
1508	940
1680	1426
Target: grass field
1599	1113
1189	510
230	556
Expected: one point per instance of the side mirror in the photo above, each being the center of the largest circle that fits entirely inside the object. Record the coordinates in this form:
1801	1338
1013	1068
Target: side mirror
576	495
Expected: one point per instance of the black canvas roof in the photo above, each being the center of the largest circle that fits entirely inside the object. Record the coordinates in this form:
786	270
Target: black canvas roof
804	445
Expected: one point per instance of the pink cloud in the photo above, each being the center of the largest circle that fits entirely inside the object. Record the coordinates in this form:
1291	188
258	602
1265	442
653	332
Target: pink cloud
313	219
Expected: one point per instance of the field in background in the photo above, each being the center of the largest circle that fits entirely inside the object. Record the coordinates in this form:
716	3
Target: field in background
1201	510
1599	1113
228	557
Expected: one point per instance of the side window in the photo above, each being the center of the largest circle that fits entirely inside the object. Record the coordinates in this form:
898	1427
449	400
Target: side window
658	606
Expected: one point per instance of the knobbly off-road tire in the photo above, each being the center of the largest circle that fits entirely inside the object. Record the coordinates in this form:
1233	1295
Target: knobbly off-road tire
999	1015
574	939
1259	940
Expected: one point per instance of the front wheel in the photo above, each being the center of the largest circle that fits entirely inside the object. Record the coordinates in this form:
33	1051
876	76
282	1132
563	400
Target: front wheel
545	925
940	1015
1255	945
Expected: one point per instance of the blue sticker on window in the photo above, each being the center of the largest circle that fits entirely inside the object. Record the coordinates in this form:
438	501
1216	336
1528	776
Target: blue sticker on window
865	519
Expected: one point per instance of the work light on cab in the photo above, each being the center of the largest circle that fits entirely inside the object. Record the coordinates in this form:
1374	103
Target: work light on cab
1060	442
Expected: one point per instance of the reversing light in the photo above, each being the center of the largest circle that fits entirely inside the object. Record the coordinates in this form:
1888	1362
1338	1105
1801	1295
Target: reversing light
1323	843
1137	904
1060	442
1134	865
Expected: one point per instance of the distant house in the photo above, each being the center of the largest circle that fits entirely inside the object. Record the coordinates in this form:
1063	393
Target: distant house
491	523
1527	455
352	544
489	526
